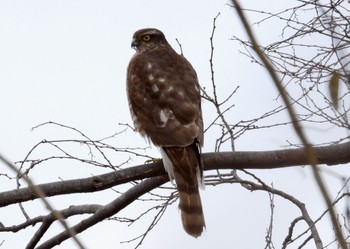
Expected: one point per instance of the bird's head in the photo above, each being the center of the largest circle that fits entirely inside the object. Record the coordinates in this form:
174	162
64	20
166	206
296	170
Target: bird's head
147	39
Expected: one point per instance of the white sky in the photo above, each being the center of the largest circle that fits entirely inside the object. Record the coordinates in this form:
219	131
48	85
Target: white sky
65	61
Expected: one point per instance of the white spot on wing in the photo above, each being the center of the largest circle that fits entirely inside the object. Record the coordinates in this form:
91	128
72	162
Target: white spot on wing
150	77
161	80
149	66
181	93
155	88
170	88
163	117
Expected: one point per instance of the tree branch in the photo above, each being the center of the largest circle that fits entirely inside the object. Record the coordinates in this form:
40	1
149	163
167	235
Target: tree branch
330	155
310	153
108	210
37	191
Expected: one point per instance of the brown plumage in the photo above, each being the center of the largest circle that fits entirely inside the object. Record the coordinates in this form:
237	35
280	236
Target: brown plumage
185	162
165	106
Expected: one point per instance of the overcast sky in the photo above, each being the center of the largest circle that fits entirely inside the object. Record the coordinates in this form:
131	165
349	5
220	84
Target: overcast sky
65	61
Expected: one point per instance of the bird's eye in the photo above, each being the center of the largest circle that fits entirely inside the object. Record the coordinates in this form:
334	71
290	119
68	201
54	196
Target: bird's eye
146	38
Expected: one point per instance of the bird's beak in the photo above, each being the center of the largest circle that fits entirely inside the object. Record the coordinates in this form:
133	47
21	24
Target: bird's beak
134	44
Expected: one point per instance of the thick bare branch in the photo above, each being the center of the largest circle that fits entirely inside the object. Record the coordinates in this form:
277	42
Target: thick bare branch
108	210
330	155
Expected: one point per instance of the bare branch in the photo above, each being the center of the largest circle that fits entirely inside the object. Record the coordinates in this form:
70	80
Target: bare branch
38	192
108	210
330	155
311	155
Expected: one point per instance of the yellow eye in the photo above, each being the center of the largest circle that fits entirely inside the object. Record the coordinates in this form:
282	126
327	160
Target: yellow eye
146	38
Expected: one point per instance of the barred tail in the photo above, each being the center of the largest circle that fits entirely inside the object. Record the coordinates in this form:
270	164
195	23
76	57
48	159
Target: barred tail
187	171
190	206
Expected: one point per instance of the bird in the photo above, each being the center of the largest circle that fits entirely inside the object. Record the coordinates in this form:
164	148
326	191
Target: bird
165	105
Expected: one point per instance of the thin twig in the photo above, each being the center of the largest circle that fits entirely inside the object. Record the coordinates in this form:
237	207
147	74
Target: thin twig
37	191
311	157
108	210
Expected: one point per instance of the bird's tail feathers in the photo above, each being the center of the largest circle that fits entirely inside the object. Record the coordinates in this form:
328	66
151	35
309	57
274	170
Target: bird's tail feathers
188	176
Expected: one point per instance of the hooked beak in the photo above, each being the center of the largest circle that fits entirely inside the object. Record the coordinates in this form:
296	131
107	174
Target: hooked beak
134	44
